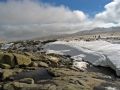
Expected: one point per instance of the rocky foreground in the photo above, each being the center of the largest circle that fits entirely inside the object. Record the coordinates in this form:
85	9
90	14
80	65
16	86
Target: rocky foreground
23	67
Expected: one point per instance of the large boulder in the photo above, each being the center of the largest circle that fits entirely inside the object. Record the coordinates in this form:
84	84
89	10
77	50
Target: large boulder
7	59
9	73
10	60
6	74
22	60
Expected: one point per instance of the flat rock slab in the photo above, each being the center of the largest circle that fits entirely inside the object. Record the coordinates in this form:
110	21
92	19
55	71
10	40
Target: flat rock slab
39	74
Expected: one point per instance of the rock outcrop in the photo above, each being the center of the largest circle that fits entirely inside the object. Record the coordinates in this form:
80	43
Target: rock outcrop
22	60
11	60
6	59
26	69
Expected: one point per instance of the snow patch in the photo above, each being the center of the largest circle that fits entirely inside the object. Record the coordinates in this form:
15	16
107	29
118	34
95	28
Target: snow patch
80	65
110	88
78	57
99	53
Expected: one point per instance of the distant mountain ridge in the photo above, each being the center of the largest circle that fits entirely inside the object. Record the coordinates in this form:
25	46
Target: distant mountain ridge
99	30
110	30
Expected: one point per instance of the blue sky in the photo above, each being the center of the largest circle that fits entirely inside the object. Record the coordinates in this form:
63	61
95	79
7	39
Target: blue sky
90	7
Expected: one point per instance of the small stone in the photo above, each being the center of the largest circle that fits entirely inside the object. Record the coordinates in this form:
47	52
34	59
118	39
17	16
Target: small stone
34	64
53	59
8	86
5	66
0	87
1	70
27	80
52	87
71	87
43	64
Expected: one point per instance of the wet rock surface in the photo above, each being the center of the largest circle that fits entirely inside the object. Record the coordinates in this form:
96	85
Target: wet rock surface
21	70
39	74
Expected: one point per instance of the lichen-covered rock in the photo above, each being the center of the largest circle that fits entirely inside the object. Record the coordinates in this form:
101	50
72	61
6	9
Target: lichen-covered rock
8	86
73	87
33	57
27	80
42	57
22	60
21	86
59	60
11	60
43	64
52	87
5	66
34	64
53	59
7	58
6	74
63	72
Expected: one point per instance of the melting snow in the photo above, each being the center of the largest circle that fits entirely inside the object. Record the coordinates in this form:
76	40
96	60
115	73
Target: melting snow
99	52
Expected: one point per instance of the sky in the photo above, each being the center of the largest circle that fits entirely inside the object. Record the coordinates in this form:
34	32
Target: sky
90	7
25	19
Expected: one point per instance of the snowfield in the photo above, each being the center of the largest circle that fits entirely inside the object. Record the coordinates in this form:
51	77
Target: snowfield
98	53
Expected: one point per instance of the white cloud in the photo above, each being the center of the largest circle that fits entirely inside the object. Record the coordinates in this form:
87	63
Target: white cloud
111	15
30	12
80	15
26	18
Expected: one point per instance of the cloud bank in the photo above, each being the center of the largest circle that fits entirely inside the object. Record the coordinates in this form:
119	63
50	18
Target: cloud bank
111	15
23	19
